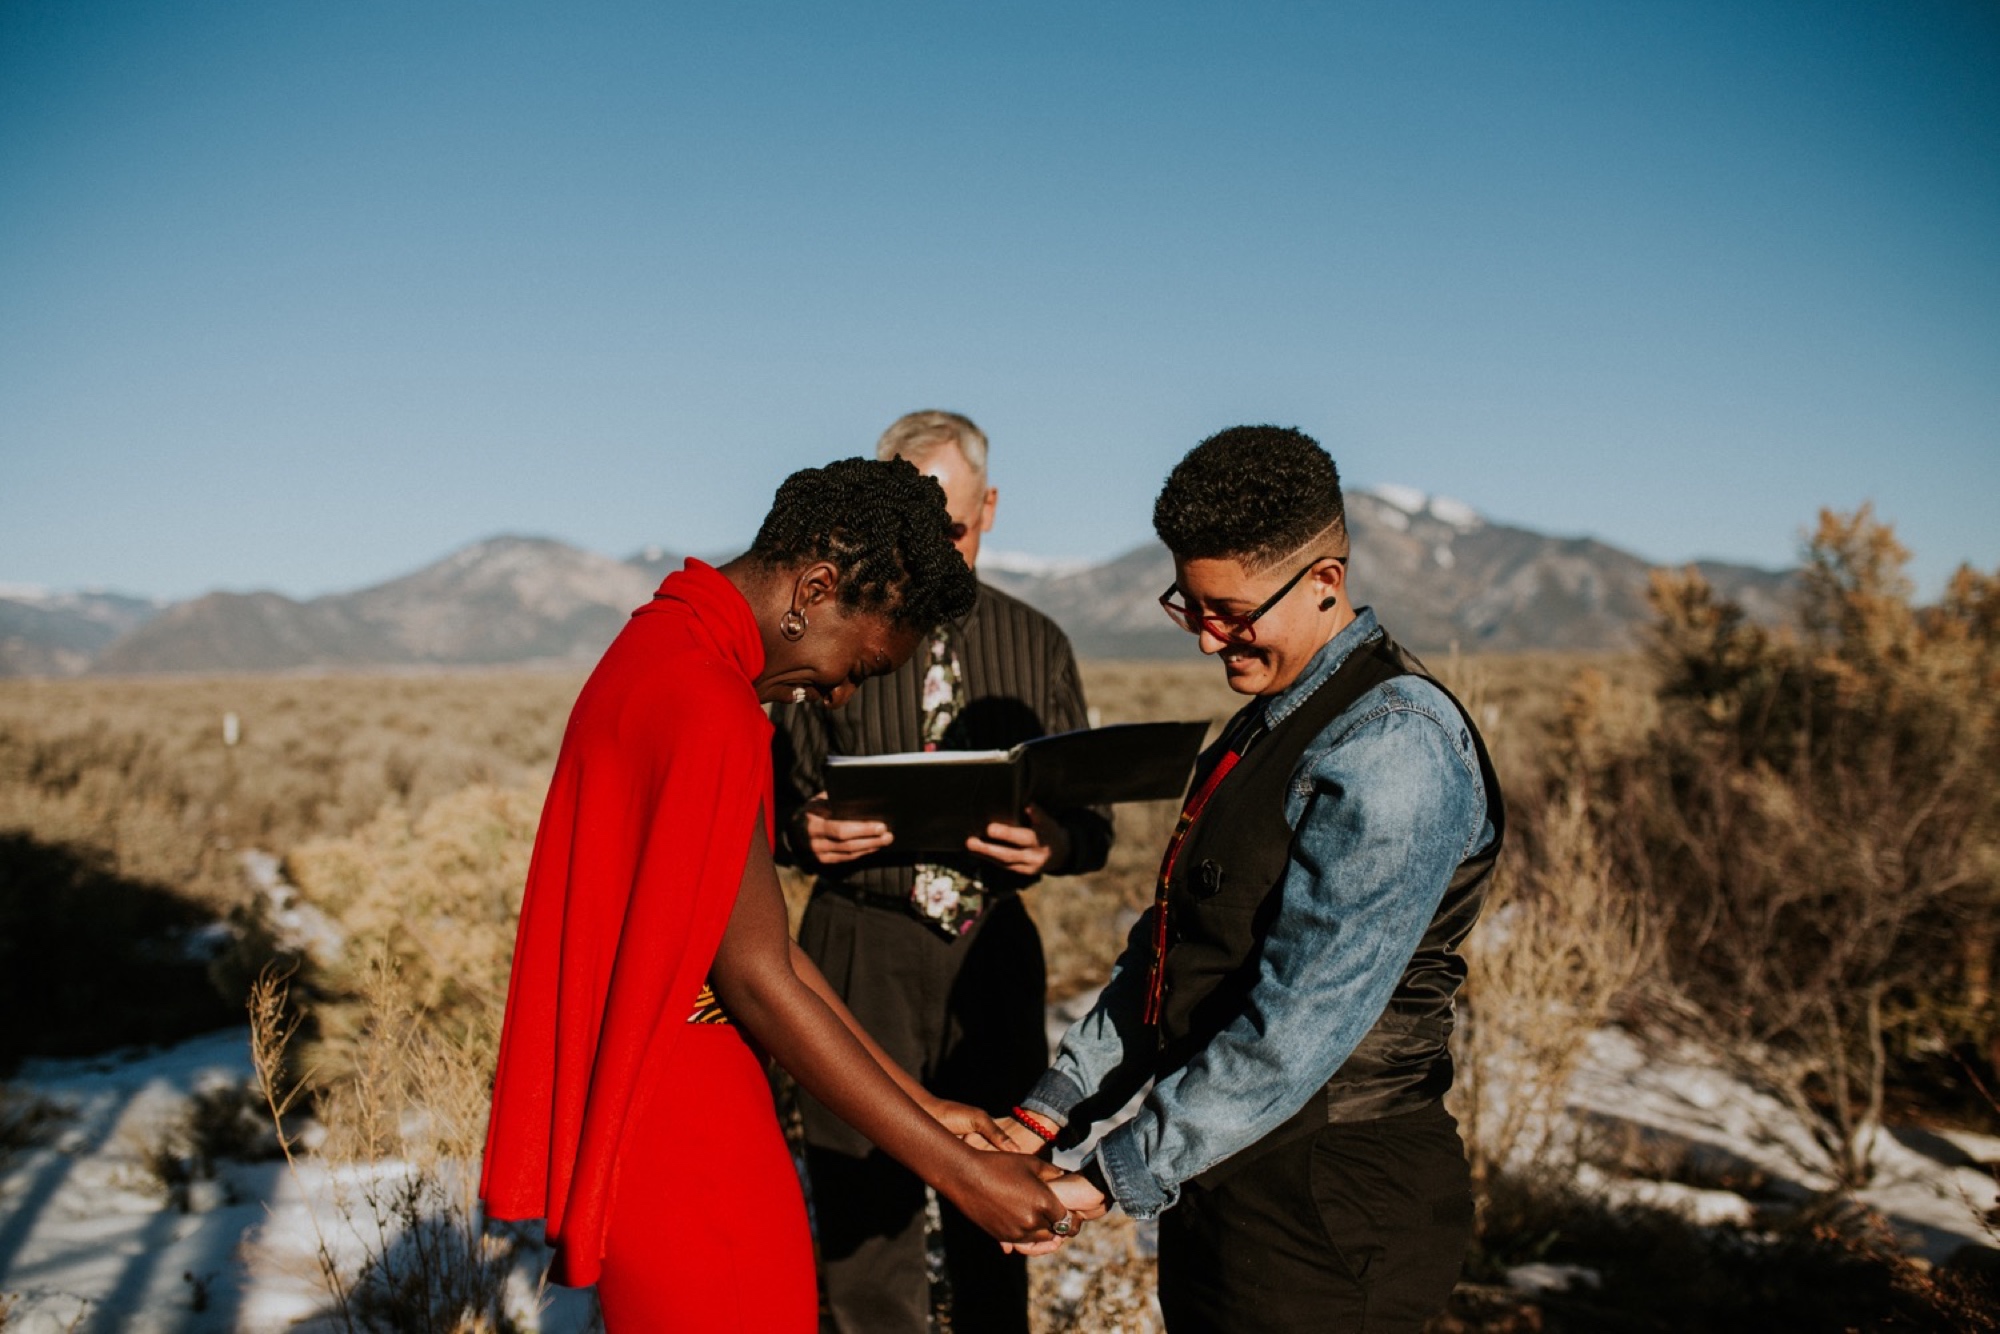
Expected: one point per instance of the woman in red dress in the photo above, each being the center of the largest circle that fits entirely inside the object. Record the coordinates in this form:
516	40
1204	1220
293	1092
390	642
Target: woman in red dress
630	1108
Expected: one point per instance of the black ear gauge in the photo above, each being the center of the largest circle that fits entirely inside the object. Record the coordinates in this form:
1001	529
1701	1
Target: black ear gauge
1326	604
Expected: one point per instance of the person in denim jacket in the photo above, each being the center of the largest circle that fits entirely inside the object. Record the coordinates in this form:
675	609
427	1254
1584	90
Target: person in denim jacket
1289	994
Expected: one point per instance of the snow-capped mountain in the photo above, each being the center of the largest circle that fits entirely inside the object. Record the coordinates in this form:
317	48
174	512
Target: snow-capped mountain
1437	571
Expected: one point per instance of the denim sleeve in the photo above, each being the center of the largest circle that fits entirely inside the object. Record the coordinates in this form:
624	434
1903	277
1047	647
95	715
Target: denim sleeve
1108	1053
1384	807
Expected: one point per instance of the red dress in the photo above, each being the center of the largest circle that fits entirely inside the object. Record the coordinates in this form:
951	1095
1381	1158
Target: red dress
647	1142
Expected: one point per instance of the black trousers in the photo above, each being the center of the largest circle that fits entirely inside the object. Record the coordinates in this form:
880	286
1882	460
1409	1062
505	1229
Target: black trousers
1359	1228
965	1017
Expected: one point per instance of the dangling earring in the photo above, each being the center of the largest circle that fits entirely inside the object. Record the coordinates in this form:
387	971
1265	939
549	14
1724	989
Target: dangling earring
792	625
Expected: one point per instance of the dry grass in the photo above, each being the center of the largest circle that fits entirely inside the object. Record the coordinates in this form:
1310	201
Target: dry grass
123	811
405	808
1561	945
400	1239
139	771
1811	818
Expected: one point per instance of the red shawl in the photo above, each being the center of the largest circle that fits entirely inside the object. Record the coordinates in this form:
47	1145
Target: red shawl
664	768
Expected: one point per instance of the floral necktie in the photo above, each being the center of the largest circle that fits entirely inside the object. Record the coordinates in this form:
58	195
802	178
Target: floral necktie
946	899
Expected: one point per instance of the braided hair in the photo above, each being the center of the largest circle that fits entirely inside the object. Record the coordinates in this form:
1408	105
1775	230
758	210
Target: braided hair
1254	494
884	526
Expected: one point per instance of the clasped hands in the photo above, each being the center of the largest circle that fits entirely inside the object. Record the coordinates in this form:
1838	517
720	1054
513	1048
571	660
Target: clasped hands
1081	1201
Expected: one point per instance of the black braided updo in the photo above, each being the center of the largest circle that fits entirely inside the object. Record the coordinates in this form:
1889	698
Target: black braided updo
884	526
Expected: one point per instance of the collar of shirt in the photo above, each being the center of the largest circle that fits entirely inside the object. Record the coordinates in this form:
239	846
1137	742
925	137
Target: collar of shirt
1320	667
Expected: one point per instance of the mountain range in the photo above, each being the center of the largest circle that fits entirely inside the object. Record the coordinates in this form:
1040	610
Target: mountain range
1438	573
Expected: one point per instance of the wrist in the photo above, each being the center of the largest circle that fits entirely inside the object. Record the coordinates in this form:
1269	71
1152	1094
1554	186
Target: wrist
1041	1127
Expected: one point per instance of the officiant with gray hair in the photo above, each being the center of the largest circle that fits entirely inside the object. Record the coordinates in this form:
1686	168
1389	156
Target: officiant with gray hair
934	953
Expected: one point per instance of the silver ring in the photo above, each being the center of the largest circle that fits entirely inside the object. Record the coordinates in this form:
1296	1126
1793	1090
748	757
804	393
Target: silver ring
1064	1227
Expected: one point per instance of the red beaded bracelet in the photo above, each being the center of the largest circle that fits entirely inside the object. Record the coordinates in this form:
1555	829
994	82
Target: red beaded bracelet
1036	1124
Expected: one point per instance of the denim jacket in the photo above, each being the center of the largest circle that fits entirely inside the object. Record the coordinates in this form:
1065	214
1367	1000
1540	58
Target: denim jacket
1384	804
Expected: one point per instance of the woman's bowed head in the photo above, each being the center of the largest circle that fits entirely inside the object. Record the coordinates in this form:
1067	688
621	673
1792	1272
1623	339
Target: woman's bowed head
853	567
653	968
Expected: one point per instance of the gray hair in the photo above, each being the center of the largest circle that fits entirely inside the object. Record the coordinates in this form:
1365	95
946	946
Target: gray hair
917	435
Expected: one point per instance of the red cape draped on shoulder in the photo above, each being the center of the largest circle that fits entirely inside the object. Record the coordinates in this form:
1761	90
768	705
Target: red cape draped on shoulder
664	768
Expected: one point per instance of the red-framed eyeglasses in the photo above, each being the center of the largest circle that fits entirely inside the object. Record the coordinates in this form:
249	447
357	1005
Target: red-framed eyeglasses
1229	627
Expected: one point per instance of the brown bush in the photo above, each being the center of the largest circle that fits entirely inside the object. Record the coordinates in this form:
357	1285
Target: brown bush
439	895
140	771
1814	819
1560	946
405	1125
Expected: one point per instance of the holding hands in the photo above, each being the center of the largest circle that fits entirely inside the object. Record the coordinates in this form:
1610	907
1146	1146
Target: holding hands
1082	1201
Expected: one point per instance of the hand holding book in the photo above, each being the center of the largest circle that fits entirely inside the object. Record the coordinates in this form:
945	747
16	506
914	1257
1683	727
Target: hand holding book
934	801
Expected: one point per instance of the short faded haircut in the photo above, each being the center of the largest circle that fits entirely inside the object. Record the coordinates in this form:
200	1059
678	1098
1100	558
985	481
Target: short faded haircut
1253	494
917	435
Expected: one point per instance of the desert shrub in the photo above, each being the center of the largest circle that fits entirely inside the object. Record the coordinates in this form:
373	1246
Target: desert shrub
1558	949
406	1031
1814	819
226	1120
124	806
401	1241
142	770
439	895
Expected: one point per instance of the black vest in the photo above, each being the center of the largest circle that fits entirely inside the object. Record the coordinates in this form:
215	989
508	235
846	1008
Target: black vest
1224	895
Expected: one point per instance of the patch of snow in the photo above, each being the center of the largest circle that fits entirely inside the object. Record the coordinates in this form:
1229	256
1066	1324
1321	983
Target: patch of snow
1700	1206
1442	555
297	926
1535	1279
1683	1098
1405	498
47	1312
1975	1146
1455	512
1394	518
83	1239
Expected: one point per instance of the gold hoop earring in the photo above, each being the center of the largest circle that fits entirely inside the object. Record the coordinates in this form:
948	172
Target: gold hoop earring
792	625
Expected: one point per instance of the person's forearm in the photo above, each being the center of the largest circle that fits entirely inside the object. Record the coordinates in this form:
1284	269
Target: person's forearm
808	972
1107	1054
754	976
792	1021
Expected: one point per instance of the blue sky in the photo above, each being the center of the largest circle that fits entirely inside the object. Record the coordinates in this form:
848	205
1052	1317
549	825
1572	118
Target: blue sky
301	296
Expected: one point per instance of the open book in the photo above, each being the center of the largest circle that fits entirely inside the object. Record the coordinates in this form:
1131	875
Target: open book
933	800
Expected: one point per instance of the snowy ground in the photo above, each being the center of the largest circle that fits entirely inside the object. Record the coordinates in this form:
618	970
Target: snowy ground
1933	1187
86	1242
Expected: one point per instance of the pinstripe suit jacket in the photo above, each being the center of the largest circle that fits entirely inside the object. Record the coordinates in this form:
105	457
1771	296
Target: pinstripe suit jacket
1020	682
